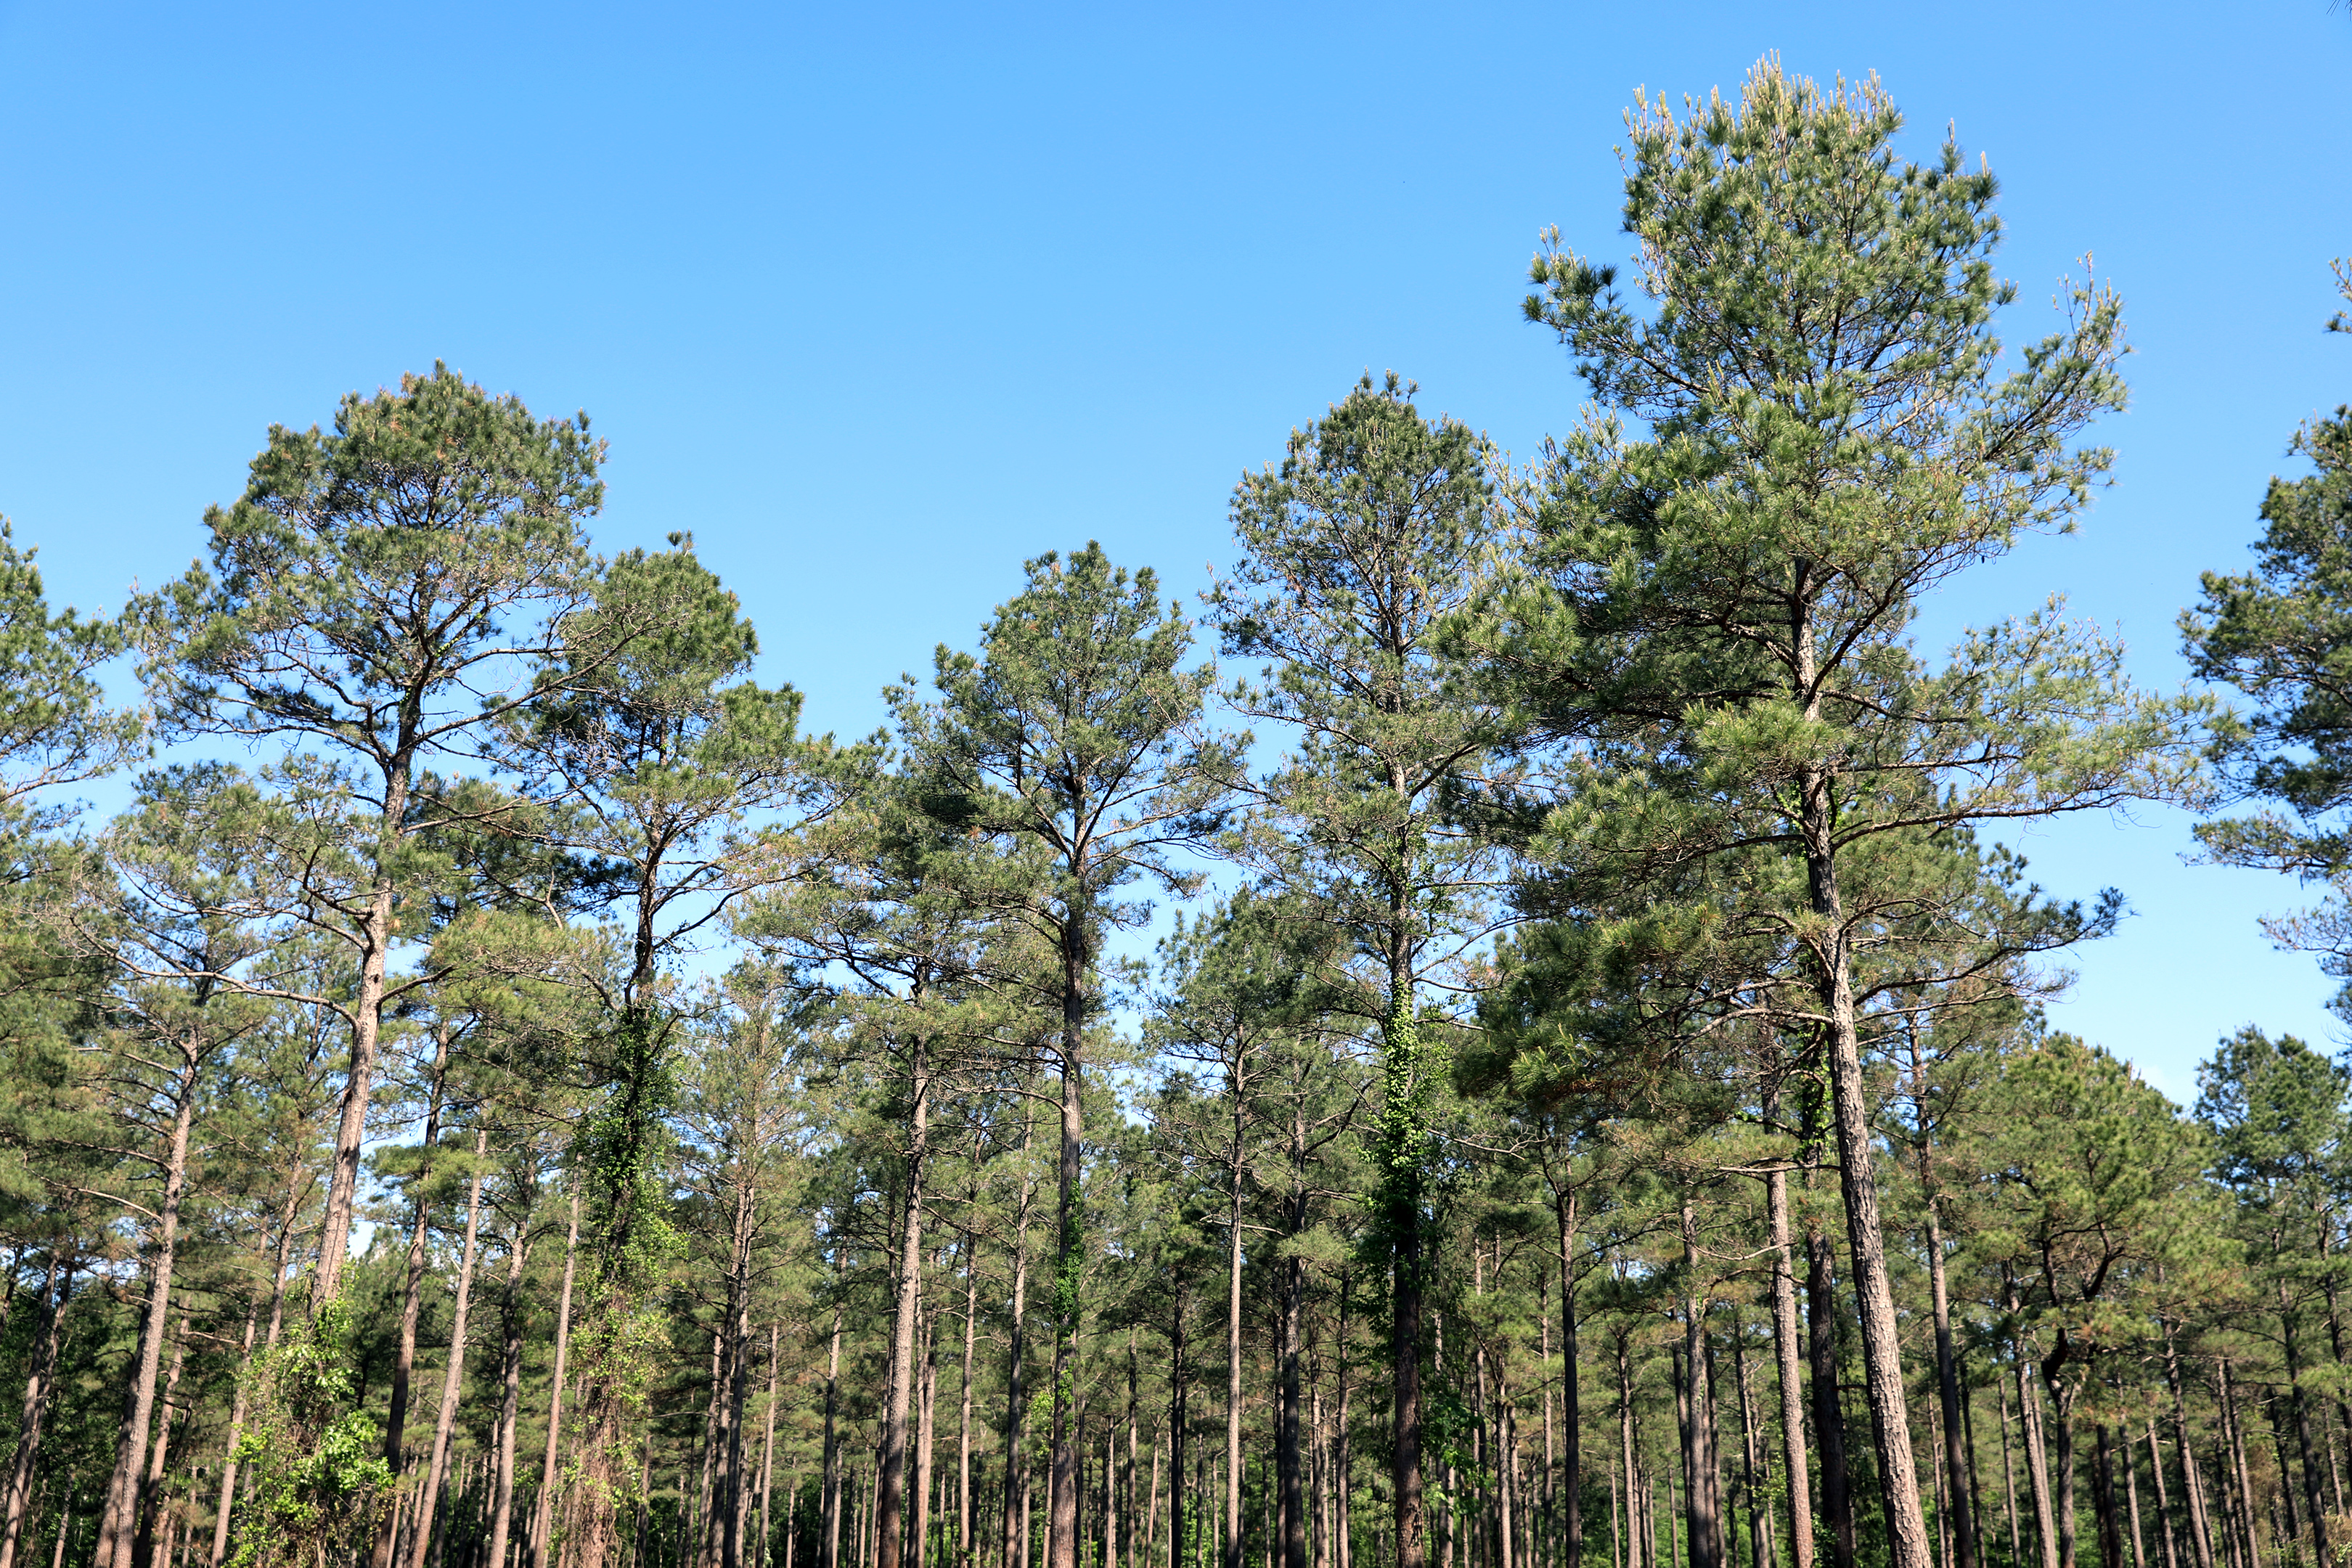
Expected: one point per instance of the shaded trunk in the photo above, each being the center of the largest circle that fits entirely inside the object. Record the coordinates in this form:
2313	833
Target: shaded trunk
1571	1411
375	939
829	1501
963	1415
1232	1554
1703	1496
1016	1471
2200	1529
1829	1414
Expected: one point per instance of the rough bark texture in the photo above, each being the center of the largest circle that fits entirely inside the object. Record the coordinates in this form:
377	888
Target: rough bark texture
1962	1518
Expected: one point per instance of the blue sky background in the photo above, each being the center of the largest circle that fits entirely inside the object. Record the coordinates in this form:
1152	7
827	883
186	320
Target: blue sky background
879	301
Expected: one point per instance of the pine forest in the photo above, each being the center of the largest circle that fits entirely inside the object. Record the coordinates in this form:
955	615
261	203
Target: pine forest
1510	1033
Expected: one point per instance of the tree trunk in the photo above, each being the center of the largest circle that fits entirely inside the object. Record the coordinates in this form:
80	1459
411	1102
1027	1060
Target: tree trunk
1947	1388
375	940
2163	1497
40	1385
1016	1470
1401	1089
1180	1380
891	1483
963	1416
543	1515
1571	1410
453	1375
118	1526
2302	1410
239	1406
1289	1458
829	1500
1829	1411
1062	1484
925	1428
404	1361
2062	1399
2037	1462
1703	1499
1232	1554
1904	1520
2200	1530
1785	1354
511	1321
151	1491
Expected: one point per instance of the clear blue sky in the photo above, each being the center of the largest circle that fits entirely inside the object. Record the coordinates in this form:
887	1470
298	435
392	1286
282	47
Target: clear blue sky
877	301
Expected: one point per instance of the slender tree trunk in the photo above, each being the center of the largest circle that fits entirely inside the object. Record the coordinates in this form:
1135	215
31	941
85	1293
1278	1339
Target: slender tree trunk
40	1384
151	1491
2061	1400
919	1541
239	1406
1062	1484
1289	1460
2037	1462
1572	1409
2008	1477
1904	1520
1829	1413
510	1320
830	1498
963	1415
543	1515
2200	1530
2302	1411
892	1480
1232	1556
1180	1380
1702	1498
1402	1139
767	1449
2163	1497
1785	1354
404	1361
733	1493
2102	1499
1947	1389
2233	1429
117	1525
453	1375
1016	1468
1753	1465
375	938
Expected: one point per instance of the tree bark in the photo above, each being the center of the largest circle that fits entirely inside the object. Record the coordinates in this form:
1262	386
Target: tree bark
1702	1498
1016	1470
2200	1530
1231	1552
963	1416
453	1375
1786	1355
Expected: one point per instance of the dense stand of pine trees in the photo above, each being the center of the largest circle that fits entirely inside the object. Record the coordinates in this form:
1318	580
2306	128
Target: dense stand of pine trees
498	1096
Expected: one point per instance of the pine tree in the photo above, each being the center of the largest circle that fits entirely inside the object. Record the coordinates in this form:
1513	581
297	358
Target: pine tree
1712	622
